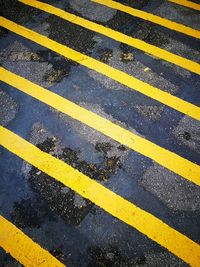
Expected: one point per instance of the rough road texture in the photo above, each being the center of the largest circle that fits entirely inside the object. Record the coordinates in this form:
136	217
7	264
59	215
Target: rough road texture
70	227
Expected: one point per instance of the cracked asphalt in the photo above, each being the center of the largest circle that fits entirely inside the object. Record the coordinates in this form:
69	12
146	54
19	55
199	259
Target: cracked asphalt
70	227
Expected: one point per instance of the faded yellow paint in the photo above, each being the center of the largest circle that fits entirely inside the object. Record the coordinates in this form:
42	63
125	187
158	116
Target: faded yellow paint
118	36
186	3
22	248
146	223
117	75
166	158
150	17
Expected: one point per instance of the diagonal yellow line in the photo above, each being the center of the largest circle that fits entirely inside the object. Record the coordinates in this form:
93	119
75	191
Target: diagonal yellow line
186	3
146	223
150	17
118	36
166	158
22	248
115	74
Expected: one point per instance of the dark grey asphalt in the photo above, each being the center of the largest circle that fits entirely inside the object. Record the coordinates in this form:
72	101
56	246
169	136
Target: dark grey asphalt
74	230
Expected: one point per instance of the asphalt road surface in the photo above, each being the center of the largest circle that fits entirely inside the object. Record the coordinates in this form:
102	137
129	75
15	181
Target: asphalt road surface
100	133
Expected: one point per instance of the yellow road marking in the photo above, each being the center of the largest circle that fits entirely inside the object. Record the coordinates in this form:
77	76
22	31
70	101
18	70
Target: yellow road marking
146	223
118	36
186	4
166	158
150	17
22	248
115	74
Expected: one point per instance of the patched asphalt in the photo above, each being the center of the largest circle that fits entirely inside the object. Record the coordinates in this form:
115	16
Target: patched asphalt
70	227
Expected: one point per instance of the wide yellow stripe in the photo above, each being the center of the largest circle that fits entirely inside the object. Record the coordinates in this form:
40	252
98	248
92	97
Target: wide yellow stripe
22	248
166	158
118	36
186	4
117	75
150	17
175	242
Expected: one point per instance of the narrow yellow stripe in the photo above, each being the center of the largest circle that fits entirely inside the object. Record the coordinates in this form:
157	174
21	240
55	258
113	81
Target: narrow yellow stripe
186	4
150	17
166	158
146	223
118	36
22	248
117	75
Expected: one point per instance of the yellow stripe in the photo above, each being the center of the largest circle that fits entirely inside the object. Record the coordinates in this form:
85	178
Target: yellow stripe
150	17
177	243
118	36
186	4
166	158
117	75
22	248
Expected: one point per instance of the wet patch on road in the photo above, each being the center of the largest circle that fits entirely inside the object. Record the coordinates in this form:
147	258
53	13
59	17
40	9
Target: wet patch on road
100	172
16	59
16	11
7	260
70	34
126	61
188	133
104	55
30	213
108	147
111	257
3	32
70	206
43	67
61	68
60	199
134	4
57	252
150	34
158	39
